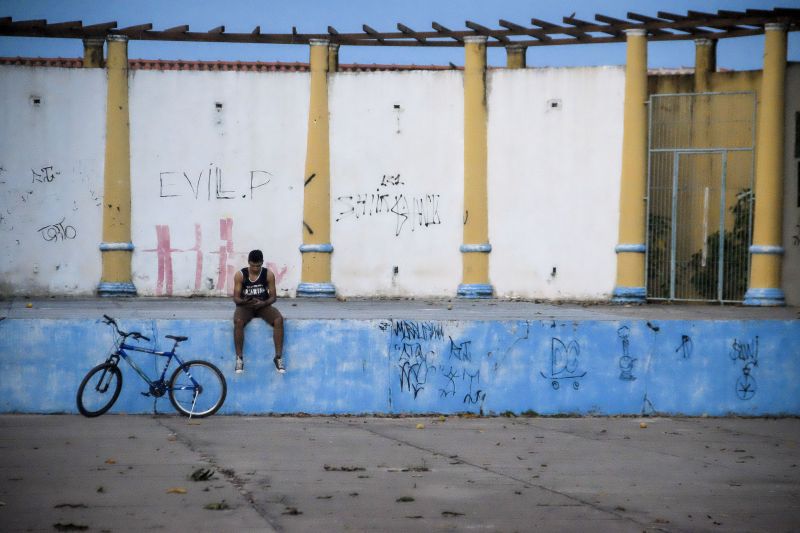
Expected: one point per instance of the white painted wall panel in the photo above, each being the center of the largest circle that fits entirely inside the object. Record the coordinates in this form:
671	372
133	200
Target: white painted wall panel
217	170
396	182
51	179
554	175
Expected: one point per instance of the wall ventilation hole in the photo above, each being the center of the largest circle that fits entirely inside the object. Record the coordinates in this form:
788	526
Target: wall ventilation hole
218	105
554	104
36	101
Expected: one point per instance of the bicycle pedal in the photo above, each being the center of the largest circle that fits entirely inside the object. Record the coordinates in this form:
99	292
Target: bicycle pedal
145	394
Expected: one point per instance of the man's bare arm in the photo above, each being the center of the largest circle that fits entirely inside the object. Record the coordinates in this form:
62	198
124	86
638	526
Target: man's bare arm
271	286
237	288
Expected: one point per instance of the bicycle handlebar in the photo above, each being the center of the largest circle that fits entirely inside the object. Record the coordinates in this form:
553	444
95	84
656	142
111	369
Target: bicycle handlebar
135	334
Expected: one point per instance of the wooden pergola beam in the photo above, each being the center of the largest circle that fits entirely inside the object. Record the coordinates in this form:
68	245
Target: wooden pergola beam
411	33
667	27
447	32
538	34
483	30
610	29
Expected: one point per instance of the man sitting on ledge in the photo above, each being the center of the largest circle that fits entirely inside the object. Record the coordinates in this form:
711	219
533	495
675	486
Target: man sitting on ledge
254	293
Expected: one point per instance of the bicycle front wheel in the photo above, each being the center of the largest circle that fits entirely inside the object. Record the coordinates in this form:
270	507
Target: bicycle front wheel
99	390
197	389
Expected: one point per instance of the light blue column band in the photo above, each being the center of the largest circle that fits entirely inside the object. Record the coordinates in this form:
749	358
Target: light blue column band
629	295
326	248
116	246
764	297
116	288
764	249
316	290
633	248
484	248
475	290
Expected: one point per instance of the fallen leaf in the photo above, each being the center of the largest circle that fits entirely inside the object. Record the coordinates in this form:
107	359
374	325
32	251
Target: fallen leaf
643	425
111	461
176	490
217	506
420	426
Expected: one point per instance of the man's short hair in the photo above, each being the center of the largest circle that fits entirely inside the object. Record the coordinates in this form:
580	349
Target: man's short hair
255	257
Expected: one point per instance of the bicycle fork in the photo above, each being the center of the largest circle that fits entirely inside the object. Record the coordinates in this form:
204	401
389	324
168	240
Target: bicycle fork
103	383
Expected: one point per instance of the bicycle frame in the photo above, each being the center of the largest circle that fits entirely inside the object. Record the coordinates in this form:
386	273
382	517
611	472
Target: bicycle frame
169	355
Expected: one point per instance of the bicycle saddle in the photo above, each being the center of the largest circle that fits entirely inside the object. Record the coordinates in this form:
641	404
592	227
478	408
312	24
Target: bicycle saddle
179	338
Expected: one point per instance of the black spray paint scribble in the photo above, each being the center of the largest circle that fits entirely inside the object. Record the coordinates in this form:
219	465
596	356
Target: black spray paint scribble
747	354
57	232
460	350
414	367
411	330
478	396
686	347
44	175
796	236
209	183
626	362
564	363
419	211
428	358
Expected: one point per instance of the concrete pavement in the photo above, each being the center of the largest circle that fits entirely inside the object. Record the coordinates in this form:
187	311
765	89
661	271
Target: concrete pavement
129	473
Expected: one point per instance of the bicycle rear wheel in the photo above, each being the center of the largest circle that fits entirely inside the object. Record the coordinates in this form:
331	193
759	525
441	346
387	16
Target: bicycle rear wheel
197	389
99	389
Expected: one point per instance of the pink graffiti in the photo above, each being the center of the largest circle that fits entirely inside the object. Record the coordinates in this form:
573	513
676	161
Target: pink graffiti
278	273
226	251
164	250
225	270
198	272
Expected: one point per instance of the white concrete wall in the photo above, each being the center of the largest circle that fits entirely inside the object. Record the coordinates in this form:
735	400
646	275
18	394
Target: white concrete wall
554	175
51	179
791	194
397	182
218	181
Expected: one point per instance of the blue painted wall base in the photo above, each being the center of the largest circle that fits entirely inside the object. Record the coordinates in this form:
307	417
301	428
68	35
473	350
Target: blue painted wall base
627	367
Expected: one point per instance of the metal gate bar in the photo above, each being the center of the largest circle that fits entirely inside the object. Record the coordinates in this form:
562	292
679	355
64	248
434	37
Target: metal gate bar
692	141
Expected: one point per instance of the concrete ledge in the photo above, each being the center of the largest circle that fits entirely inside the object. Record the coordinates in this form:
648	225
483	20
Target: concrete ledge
607	367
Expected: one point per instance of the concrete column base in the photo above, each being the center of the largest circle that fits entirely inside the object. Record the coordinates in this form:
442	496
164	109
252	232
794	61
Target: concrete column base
316	290
629	295
116	288
764	297
475	290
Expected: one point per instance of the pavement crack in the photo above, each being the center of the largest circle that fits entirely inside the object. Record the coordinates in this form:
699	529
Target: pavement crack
229	474
527	484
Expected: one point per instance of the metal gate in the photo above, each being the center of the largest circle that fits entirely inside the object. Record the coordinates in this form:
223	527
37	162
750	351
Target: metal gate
700	196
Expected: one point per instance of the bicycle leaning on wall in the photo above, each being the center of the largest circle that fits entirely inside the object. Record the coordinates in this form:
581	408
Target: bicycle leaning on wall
196	388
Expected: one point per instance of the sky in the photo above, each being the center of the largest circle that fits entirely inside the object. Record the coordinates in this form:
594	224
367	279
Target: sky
347	16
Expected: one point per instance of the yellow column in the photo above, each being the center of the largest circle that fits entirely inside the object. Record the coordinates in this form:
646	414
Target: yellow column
515	55
117	247
766	251
476	248
705	63
93	52
632	210
316	247
333	57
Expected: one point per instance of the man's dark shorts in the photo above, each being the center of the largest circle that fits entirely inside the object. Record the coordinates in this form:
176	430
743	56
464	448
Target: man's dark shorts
246	314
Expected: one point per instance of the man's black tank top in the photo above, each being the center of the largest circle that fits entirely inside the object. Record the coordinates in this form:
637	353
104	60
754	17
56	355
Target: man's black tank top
257	289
